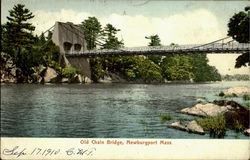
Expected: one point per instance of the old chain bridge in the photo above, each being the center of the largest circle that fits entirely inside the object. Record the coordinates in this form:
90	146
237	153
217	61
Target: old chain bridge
71	38
224	45
73	49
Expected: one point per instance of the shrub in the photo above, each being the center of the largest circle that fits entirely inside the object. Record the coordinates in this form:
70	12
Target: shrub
165	117
230	95
246	97
221	94
246	105
70	72
215	125
238	126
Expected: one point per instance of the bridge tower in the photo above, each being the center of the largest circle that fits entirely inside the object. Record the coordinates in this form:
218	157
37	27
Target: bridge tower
70	39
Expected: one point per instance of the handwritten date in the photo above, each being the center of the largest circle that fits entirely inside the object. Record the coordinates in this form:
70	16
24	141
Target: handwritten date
18	151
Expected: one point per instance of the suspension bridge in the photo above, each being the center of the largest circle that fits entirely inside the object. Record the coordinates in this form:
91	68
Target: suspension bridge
73	47
74	38
216	47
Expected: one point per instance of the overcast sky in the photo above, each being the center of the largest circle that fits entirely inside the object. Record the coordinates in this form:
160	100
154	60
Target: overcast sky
181	22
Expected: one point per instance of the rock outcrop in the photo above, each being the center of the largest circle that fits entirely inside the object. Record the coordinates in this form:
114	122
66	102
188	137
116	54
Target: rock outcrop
247	132
105	79
178	125
65	80
206	110
50	76
112	78
239	91
76	79
86	79
8	69
192	127
40	74
200	100
236	113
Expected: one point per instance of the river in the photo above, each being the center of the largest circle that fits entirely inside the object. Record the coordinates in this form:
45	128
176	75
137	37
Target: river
102	110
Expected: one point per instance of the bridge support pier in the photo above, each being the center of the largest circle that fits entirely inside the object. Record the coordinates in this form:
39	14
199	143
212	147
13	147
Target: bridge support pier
80	63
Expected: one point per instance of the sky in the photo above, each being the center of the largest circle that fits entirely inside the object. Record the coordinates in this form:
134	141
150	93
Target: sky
181	22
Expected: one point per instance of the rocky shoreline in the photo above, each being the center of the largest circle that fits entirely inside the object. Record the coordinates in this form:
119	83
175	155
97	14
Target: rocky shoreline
233	115
41	74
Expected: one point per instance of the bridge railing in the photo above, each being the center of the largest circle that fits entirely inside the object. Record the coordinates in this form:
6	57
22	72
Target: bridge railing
225	45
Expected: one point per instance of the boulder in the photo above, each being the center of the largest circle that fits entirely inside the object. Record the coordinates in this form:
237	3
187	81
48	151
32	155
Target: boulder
200	100
106	79
41	70
40	79
13	71
247	132
8	69
191	127
178	125
232	111
6	78
50	75
86	79
232	104
64	80
205	110
239	91
116	77
9	63
194	127
76	79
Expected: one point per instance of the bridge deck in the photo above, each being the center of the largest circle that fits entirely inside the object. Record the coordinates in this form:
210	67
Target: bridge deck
167	50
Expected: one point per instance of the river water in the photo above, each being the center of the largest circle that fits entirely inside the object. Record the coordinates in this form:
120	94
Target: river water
102	110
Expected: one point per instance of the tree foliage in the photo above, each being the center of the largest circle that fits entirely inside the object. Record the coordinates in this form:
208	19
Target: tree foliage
92	31
49	52
18	30
17	35
189	67
111	41
201	70
26	50
154	41
238	26
149	68
131	67
238	29
177	68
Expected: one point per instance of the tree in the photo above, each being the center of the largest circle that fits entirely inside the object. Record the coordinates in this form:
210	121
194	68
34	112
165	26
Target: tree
238	29
49	51
111	41
177	68
173	45
154	41
92	31
18	35
131	67
201	70
18	30
242	60
3	45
